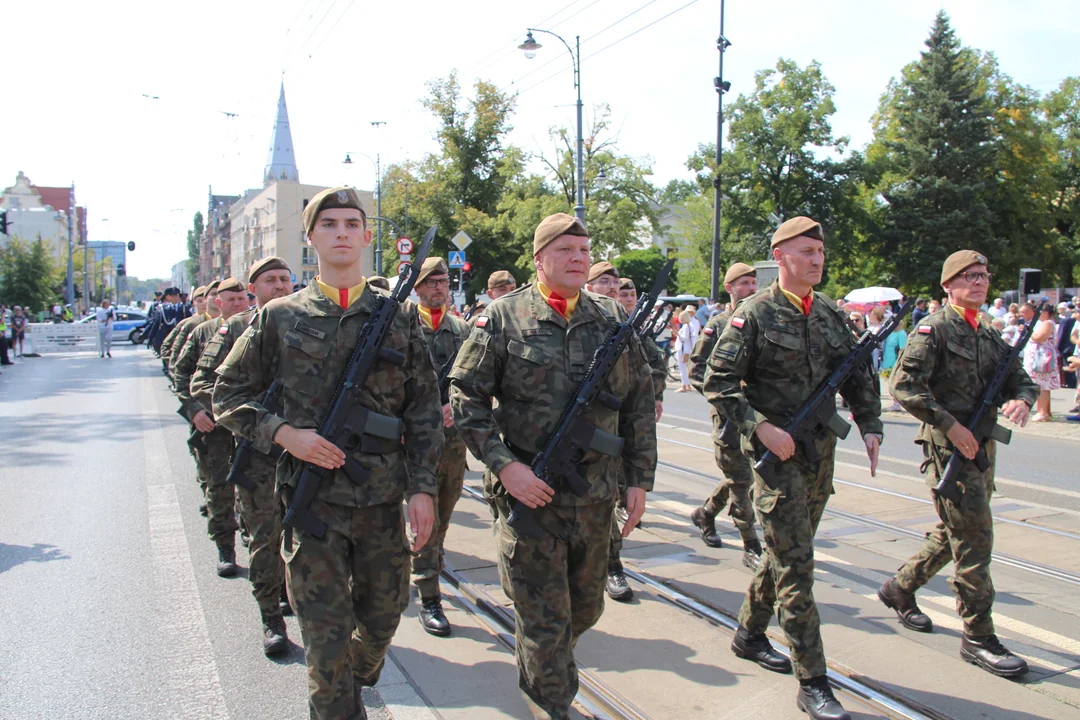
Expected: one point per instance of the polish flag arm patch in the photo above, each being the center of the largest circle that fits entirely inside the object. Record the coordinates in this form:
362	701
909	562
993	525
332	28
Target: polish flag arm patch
738	322
482	321
710	331
925	329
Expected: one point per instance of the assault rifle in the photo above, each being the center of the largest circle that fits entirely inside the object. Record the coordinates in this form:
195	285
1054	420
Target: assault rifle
242	455
197	441
444	371
982	422
650	324
559	460
347	423
819	410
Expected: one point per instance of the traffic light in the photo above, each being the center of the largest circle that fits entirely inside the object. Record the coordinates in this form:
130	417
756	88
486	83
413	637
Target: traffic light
120	270
3	223
466	273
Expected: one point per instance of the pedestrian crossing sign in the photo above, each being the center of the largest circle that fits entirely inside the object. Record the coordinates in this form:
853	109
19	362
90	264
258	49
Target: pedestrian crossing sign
457	258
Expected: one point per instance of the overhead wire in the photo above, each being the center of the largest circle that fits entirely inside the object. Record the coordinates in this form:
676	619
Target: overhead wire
515	48
300	48
331	30
514	43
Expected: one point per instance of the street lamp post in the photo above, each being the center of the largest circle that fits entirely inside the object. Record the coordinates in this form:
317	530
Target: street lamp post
721	87
530	46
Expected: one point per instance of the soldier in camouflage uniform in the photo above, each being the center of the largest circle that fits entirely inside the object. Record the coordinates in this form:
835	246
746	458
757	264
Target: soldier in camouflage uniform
444	333
776	349
184	328
348	588
529	350
740	281
230	298
500	283
260	509
941	377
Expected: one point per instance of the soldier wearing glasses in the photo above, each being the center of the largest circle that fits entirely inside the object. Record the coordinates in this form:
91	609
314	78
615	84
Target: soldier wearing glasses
941	376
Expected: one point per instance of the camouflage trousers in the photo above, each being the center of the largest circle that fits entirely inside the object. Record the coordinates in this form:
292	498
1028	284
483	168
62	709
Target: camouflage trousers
965	535
557	586
220	496
199	475
262	512
348	591
785	579
738	479
615	538
450	473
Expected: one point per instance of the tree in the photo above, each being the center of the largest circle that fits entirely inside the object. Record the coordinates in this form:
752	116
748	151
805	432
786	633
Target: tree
936	150
1062	110
27	274
193	236
642	266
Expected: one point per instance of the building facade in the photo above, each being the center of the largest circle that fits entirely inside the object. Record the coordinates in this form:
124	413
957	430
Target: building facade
215	251
180	277
38	212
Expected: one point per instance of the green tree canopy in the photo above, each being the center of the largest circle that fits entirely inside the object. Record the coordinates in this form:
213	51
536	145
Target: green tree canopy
28	274
642	266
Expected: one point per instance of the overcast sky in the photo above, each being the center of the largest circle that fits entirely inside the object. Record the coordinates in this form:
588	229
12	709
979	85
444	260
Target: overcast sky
78	73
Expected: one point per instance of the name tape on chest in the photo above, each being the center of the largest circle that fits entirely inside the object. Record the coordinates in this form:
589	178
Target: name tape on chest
925	329
738	322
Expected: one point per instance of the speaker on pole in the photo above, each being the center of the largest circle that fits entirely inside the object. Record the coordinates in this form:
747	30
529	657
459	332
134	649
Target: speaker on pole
1030	281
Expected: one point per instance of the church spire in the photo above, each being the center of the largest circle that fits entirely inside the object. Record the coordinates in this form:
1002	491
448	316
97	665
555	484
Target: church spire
281	162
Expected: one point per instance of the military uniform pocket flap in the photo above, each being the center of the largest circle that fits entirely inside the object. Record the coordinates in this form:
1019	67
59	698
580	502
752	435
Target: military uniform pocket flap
783	339
528	352
961	348
315	347
766	497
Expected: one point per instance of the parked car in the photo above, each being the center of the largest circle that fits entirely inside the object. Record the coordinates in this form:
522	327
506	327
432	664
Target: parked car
129	322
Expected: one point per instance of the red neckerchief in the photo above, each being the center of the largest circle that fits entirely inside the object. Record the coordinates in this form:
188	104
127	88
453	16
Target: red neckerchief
806	303
343	298
972	318
557	302
436	317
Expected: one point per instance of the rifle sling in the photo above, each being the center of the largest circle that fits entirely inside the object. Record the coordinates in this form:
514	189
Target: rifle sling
602	442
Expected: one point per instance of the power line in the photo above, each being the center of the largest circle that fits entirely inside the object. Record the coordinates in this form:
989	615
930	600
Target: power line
300	49
514	50
514	42
331	30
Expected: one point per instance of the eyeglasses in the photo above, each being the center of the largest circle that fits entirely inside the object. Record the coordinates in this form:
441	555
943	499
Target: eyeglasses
605	280
977	277
436	283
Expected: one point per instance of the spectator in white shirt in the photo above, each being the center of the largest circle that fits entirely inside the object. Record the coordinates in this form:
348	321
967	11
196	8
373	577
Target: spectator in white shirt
106	316
998	310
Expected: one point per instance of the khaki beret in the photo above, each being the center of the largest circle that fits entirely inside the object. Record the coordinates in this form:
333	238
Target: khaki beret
329	199
554	226
232	285
268	263
213	287
960	261
626	284
796	227
737	271
500	278
380	282
198	292
602	268
432	266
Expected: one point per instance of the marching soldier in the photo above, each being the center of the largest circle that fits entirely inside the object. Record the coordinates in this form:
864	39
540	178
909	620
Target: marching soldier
740	281
260	509
185	327
529	350
775	350
348	588
941	377
378	281
198	300
500	283
443	333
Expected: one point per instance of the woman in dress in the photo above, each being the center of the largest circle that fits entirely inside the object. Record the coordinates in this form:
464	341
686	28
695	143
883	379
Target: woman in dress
684	345
1040	360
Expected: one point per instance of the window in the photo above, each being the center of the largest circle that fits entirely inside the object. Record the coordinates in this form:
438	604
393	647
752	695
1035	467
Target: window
308	256
308	277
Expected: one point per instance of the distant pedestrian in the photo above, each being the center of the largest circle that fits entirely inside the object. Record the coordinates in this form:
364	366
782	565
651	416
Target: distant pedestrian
1012	328
106	318
701	314
19	321
684	345
1040	360
998	309
919	312
933	307
3	339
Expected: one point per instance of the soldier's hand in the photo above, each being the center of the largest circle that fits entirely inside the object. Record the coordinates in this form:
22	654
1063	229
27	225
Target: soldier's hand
421	519
635	508
447	416
873	449
310	446
776	440
519	481
963	440
659	410
1017	411
203	422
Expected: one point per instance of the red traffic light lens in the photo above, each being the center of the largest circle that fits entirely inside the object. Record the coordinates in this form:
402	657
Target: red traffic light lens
467	267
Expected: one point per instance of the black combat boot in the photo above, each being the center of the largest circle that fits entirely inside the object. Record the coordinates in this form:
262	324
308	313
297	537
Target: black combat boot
905	606
706	523
202	509
433	618
226	564
751	556
987	652
283	603
816	699
617	587
275	636
760	650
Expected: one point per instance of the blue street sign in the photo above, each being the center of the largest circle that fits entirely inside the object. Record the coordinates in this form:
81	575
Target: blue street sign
457	258
293	276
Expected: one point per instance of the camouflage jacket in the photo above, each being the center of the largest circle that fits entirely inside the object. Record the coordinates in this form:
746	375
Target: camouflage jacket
205	375
175	340
658	367
306	340
186	361
530	359
699	358
944	369
771	357
442	343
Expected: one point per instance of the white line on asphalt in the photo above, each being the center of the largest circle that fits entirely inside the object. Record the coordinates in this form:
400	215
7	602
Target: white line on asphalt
187	656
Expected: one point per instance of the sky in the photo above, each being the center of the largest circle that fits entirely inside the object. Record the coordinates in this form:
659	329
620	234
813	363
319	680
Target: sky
147	106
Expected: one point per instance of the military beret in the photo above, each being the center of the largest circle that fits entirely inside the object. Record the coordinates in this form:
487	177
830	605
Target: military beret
500	278
737	271
960	261
602	268
626	284
213	287
231	285
379	281
267	263
554	226
796	227
198	292
329	199
432	266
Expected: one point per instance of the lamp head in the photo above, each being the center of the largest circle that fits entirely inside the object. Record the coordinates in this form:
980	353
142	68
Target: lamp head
530	46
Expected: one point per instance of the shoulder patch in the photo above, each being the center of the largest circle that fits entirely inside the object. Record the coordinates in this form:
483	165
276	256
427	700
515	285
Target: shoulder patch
925	329
710	331
223	330
482	321
737	322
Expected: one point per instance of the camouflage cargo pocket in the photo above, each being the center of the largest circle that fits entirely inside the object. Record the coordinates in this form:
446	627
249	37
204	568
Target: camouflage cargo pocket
526	369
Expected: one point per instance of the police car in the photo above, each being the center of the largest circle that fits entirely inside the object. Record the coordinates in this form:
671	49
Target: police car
129	322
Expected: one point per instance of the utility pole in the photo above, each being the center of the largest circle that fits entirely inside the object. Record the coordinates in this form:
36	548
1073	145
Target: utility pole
86	268
721	87
378	205
70	289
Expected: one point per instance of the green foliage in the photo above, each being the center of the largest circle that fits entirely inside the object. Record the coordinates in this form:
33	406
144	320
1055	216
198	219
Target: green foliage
28	274
1062	111
642	266
193	236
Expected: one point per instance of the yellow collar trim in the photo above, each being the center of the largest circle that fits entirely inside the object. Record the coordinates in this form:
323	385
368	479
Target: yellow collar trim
571	303
335	293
